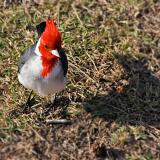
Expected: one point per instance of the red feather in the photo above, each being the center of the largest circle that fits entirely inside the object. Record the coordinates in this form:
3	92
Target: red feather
50	40
51	36
48	66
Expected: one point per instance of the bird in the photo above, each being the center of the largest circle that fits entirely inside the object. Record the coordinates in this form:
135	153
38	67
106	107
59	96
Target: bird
43	66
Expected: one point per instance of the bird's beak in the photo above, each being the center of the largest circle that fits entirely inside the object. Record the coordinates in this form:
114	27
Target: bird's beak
55	52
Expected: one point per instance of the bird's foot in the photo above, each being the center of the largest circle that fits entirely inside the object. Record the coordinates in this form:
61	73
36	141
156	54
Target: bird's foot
53	100
50	107
27	106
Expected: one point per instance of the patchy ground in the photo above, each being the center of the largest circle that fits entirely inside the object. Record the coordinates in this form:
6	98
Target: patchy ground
113	91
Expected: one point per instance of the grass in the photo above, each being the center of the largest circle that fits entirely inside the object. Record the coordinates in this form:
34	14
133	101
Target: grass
113	90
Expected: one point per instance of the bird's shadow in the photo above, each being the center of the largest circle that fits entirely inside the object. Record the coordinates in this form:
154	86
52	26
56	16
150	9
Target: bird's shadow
135	102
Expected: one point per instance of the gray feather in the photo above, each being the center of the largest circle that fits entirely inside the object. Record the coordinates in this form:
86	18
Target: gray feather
29	53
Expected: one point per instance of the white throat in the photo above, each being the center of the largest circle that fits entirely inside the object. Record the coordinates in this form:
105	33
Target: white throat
37	48
54	52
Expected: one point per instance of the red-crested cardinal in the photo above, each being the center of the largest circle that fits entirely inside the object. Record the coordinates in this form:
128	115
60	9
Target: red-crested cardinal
43	66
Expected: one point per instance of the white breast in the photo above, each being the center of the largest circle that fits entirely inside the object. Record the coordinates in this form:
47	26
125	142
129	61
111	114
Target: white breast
30	77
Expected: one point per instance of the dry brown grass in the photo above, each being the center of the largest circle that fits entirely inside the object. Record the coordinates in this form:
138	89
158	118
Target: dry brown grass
113	91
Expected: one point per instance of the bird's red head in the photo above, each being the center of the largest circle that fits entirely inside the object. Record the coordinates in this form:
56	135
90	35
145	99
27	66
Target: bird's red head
51	37
50	40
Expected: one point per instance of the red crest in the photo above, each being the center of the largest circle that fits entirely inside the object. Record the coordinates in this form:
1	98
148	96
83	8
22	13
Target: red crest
50	40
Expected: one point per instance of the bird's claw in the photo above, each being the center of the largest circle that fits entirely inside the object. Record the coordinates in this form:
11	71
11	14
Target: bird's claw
28	104
26	107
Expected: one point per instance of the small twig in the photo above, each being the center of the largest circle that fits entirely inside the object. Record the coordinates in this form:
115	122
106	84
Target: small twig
38	135
58	121
58	13
75	11
73	65
92	61
27	6
38	104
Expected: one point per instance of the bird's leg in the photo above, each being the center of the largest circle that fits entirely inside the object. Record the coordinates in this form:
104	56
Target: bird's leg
27	105
53	98
51	106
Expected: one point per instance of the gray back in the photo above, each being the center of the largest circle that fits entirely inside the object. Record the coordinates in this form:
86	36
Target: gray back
29	53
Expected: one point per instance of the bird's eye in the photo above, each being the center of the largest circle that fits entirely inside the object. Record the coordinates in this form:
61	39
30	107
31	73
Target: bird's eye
46	46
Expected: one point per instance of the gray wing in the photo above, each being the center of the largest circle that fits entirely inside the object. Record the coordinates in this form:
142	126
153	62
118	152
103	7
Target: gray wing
64	61
26	56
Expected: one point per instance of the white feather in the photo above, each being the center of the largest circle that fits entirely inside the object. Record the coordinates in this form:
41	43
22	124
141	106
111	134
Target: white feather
37	48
